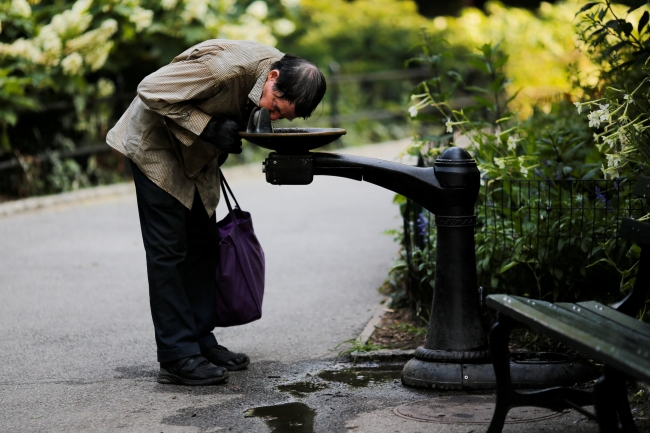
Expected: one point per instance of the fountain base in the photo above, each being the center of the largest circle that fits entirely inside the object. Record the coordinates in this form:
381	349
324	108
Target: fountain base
529	370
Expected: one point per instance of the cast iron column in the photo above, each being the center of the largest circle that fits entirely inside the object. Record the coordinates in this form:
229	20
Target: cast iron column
455	335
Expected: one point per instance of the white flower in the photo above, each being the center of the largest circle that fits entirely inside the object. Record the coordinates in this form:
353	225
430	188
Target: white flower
21	8
72	64
413	111
448	124
611	140
596	137
142	18
168	4
524	171
512	142
49	41
81	6
290	3
195	9
105	87
284	26
613	160
578	106
604	113
594	119
500	162
440	23
623	138
258	9
23	48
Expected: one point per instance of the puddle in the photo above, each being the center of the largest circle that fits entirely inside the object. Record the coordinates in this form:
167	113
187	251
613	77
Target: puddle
358	378
286	418
299	389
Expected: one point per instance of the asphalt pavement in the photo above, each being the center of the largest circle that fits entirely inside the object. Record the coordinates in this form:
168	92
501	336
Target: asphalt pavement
77	352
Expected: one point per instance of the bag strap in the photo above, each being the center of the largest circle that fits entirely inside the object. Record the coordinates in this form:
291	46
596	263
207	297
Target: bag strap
224	182
226	189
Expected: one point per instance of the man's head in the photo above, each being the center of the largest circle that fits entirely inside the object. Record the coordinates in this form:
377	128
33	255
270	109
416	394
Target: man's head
293	88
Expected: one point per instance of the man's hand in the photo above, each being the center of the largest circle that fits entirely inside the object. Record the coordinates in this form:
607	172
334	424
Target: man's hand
222	133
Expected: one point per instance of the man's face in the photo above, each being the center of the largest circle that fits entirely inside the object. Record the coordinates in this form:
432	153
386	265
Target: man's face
271	100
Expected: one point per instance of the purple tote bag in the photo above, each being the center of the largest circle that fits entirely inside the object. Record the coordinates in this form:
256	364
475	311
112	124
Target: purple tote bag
240	271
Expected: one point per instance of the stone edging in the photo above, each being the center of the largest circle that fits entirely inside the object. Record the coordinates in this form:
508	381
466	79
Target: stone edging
66	198
382	355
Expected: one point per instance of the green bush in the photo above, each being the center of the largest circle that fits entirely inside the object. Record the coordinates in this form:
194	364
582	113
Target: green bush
547	221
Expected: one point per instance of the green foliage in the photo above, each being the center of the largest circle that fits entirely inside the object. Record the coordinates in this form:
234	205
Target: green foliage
357	346
361	35
415	331
68	70
547	236
619	41
355	37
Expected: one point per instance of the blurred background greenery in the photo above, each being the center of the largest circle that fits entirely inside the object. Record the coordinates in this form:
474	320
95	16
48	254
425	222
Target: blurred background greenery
551	98
68	69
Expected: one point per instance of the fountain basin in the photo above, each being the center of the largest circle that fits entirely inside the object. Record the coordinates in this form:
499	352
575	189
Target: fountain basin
293	141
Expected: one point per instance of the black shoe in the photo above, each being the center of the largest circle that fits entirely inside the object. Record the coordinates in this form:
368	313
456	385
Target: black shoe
222	357
195	370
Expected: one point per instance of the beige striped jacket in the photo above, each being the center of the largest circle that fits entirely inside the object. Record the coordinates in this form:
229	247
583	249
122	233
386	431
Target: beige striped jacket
160	129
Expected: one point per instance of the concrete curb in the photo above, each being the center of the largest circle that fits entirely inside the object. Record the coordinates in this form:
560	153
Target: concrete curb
67	198
377	314
382	356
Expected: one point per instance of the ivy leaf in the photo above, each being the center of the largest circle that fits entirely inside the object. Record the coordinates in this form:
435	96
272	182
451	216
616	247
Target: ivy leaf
500	62
508	267
615	47
643	21
636	5
599	39
586	7
602	14
613	24
627	28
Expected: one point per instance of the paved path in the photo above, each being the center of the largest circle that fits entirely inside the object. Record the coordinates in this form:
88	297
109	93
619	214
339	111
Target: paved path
77	351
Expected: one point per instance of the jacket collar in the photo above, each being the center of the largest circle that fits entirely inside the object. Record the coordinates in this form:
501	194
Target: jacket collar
256	93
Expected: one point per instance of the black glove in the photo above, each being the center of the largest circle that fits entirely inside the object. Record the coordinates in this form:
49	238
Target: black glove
223	133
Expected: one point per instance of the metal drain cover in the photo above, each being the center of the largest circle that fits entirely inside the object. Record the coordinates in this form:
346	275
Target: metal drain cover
467	409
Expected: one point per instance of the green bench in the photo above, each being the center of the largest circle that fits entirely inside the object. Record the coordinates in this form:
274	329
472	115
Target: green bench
609	334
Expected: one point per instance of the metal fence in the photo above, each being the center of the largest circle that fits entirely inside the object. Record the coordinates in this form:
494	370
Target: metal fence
558	231
546	213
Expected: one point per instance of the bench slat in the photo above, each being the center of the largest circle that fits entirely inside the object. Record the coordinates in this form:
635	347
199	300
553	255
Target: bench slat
617	319
607	330
624	351
622	319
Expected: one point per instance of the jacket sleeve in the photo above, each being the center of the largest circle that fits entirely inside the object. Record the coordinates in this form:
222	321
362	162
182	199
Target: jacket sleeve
170	91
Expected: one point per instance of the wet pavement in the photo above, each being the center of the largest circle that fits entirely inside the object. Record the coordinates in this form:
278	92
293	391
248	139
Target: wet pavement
77	351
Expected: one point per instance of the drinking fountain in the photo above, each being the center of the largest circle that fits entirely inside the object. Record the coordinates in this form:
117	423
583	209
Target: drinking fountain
455	354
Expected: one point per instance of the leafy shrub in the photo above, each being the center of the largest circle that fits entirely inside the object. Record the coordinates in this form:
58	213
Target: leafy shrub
553	234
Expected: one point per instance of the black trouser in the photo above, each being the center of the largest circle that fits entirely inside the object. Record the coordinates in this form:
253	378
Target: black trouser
182	254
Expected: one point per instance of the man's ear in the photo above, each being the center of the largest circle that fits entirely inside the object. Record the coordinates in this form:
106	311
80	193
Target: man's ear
273	75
